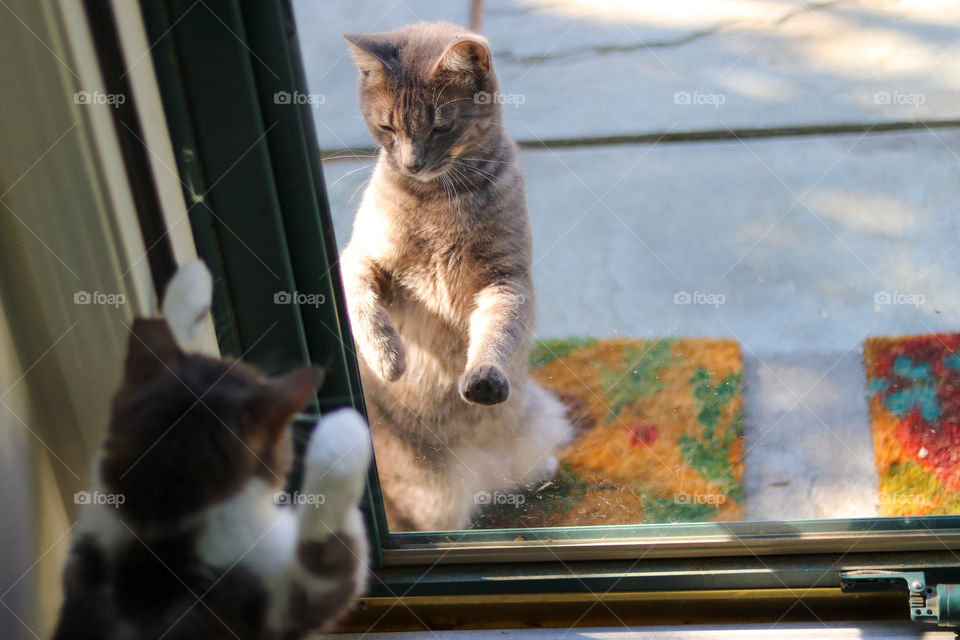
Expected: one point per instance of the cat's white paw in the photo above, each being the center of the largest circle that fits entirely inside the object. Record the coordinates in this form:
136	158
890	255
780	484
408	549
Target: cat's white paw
186	304
340	445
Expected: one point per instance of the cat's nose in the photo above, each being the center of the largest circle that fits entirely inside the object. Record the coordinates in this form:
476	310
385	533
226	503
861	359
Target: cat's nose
414	166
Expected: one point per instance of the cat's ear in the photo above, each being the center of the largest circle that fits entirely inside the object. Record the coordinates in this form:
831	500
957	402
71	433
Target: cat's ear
152	349
277	401
467	54
373	55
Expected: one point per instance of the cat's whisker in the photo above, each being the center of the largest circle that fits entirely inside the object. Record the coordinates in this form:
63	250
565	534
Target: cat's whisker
348	174
454	199
490	160
478	170
474	168
459	176
489	177
457	201
440	93
362	185
463	178
451	102
349	156
443	182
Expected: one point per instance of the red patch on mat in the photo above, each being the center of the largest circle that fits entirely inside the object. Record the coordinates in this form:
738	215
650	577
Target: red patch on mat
644	434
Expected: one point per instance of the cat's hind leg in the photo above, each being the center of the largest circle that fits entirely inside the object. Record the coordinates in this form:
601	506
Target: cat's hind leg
435	491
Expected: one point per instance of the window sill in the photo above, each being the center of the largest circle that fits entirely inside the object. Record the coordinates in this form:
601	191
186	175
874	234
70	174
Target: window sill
818	630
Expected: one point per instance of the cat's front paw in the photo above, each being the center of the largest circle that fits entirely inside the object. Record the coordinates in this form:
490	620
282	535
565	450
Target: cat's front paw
485	384
386	357
392	360
186	304
339	446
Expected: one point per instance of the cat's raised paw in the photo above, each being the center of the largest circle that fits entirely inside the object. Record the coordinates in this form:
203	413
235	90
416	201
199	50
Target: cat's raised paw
485	384
393	362
385	355
186	304
340	445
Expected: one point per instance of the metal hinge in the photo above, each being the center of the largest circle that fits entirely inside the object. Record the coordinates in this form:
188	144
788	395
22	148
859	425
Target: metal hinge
931	604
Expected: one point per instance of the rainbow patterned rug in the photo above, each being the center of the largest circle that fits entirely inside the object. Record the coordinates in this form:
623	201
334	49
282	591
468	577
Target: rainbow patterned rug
914	387
659	434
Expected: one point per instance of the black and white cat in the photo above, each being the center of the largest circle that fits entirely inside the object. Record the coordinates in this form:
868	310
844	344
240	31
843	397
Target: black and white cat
182	536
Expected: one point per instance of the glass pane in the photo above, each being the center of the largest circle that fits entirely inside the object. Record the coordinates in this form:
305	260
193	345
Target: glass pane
744	255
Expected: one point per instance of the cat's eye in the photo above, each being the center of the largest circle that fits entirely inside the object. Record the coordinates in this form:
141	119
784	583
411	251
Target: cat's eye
443	128
387	128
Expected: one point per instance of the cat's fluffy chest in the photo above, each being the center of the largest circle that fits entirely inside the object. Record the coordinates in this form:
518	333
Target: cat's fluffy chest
443	278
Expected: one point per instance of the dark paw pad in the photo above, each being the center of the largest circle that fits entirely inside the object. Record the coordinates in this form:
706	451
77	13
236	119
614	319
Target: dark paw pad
485	384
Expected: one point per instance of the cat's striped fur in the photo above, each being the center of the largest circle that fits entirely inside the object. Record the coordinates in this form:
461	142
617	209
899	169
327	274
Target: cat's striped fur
438	283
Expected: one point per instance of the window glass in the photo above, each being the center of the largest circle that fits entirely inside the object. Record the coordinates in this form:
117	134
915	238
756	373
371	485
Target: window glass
744	257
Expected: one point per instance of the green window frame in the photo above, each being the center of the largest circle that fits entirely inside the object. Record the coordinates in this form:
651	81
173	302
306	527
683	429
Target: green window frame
261	220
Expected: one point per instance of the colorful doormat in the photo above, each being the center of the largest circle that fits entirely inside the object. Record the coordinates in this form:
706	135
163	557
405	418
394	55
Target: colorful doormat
914	388
659	434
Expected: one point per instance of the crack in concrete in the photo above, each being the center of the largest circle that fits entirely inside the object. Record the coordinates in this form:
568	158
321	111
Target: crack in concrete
610	48
351	154
509	56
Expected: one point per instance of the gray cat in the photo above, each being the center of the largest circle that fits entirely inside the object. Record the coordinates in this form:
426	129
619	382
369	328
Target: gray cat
438	283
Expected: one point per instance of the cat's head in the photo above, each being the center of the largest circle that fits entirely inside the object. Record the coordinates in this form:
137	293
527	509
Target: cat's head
189	430
427	92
